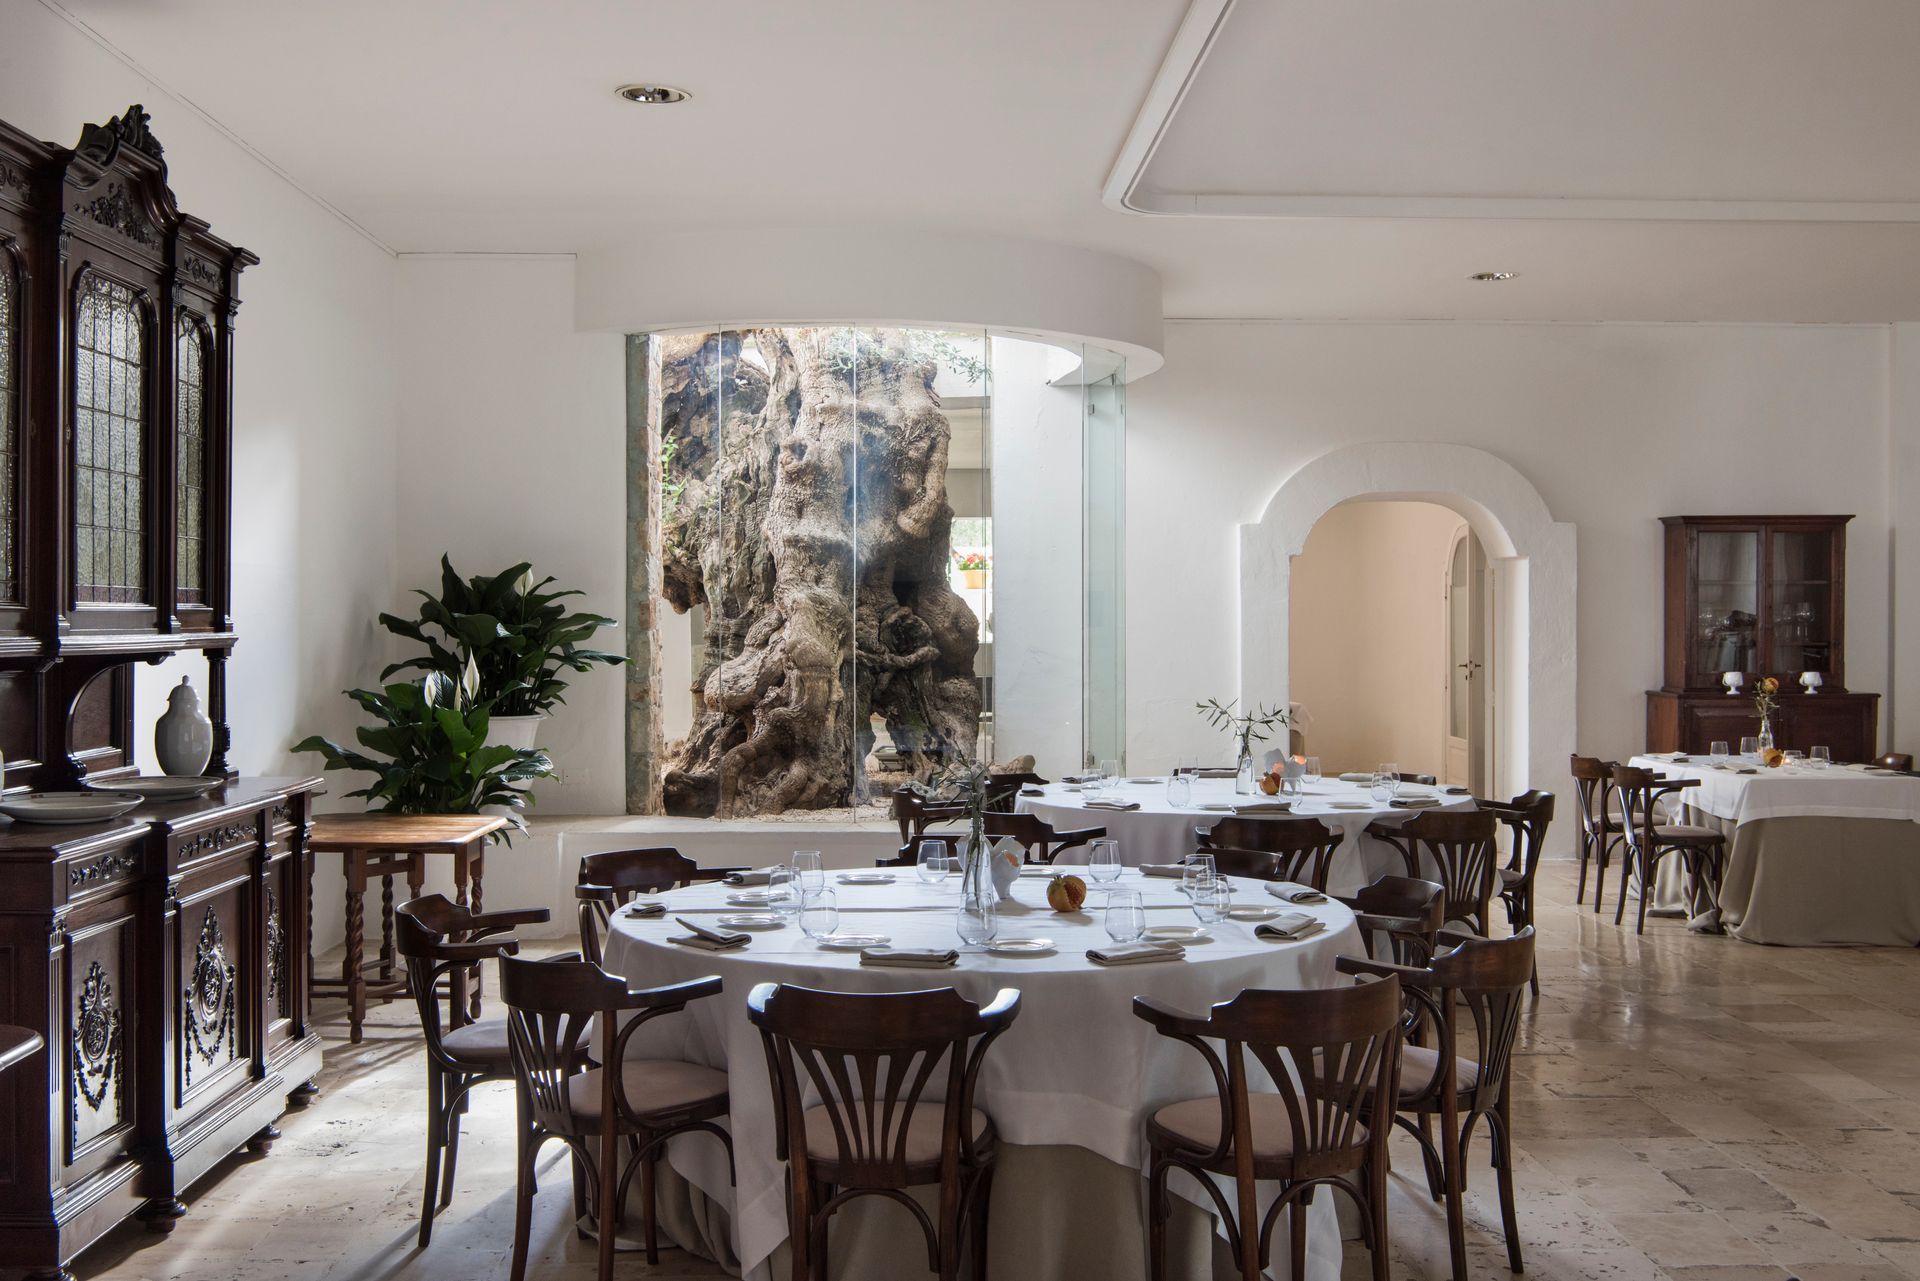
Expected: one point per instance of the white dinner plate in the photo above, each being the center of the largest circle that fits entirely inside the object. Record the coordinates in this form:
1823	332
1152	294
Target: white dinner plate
866	878
1177	934
754	921
161	787
1215	807
1020	947
1351	805
853	942
750	898
1253	913
68	807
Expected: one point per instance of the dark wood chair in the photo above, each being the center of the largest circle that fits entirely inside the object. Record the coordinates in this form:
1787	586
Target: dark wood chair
552	1007
1647	840
1002	789
1526	818
1408	911
1460	844
1325	1052
435	937
1601	828
1485	978
870	1057
915	814
1304	846
1427	779
1896	760
609	880
1256	865
1036	836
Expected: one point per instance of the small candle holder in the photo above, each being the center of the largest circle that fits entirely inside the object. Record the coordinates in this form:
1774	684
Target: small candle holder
1733	681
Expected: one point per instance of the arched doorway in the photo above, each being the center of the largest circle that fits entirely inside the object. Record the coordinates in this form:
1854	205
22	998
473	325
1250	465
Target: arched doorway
1534	562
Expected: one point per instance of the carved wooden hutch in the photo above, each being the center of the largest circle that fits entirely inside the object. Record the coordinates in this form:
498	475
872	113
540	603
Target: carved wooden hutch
1763	596
163	956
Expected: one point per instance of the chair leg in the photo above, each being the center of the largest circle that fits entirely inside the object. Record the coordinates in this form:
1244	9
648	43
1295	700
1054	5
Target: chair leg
646	1205
1450	1161
436	1131
455	1112
1157	1223
1586	852
1647	875
1627	860
818	1232
1499	1129
1436	1174
1602	860
1377	1194
580	1209
608	1185
1297	1235
982	1197
524	1188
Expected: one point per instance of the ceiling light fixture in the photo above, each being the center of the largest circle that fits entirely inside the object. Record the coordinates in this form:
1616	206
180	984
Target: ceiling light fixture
1492	275
653	95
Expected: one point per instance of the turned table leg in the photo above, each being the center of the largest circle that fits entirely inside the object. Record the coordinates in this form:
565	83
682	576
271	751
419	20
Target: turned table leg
356	944
479	873
459	978
386	927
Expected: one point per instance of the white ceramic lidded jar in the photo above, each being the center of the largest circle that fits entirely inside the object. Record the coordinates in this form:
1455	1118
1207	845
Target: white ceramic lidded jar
183	737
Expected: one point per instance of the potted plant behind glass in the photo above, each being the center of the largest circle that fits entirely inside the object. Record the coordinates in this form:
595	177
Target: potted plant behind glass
973	568
518	636
1249	727
437	760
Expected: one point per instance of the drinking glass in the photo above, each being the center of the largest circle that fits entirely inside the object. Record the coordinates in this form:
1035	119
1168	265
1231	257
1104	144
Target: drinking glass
1749	745
819	913
1110	772
1822	757
1103	860
1794	756
932	863
783	894
1211	901
1126	916
1312	774
807	870
1180	791
1199	870
978	919
1381	789
1717	751
1390	774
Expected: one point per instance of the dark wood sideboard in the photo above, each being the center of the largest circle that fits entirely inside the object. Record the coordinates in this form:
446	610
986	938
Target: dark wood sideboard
164	958
1760	595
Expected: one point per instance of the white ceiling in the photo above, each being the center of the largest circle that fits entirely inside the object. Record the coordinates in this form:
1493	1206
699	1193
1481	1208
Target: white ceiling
490	125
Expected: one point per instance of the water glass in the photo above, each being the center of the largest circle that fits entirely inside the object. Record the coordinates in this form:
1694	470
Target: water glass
1103	860
1211	901
819	913
1822	757
1381	788
783	895
1199	870
807	870
1717	751
1749	745
1390	775
1126	916
1312	774
1793	756
932	863
1110	772
1180	791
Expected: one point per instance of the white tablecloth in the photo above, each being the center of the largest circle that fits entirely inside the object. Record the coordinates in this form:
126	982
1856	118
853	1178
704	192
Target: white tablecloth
1159	833
1077	1068
1791	791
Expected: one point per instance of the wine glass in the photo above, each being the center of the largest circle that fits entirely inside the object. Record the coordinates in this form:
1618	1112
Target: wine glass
1180	791
1717	752
1126	916
807	870
819	914
1822	757
1212	901
932	863
1110	772
1103	860
1749	745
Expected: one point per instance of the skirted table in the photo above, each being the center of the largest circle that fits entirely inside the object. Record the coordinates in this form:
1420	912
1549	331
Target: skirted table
1815	857
1069	1086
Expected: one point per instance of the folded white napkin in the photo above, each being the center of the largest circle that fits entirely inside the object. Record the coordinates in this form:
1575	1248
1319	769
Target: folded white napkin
919	958
1174	870
748	878
1290	927
1033	791
1293	892
1212	773
1076	778
710	940
1136	953
641	908
1356	777
1265	807
1414	802
1110	805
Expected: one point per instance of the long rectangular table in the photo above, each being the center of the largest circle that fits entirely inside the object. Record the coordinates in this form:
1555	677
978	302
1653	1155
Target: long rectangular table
1815	857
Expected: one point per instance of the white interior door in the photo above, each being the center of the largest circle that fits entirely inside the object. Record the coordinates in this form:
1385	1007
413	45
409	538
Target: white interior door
1468	671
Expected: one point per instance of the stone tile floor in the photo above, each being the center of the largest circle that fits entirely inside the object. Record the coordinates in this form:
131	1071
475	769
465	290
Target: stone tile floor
1688	1107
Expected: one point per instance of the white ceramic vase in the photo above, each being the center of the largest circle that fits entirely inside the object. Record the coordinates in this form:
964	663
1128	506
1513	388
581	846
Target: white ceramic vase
183	736
514	731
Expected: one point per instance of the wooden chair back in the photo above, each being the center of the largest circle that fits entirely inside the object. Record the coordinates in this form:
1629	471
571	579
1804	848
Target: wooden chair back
1003	788
1036	836
1896	760
1526	818
1460	843
915	814
1488	979
1409	911
1593	781
1303	847
609	880
1425	779
1640	791
1325	1051
1257	865
872	1057
436	936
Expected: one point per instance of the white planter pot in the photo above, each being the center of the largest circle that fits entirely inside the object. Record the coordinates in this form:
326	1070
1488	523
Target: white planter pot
514	731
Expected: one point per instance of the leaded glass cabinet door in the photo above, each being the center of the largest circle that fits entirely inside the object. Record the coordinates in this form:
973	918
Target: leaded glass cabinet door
11	569
111	359
192	470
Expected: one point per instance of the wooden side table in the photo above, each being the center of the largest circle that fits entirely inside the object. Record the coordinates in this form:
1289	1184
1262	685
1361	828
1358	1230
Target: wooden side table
385	846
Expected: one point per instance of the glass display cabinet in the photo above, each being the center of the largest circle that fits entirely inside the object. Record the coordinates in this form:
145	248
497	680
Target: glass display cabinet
1761	596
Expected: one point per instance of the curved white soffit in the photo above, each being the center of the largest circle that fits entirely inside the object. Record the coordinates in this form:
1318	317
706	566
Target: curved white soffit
1023	288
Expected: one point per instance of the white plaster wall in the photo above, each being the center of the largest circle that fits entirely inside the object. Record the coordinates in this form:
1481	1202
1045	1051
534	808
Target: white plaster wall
1902	725
1368	648
1615	425
314	426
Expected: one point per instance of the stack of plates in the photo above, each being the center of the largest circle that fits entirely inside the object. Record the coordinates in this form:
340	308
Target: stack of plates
68	807
160	787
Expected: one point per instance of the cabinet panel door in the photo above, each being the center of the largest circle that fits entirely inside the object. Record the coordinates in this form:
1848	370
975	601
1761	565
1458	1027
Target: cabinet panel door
1707	721
1723	628
212	1011
281	900
1801	594
98	1055
1842	728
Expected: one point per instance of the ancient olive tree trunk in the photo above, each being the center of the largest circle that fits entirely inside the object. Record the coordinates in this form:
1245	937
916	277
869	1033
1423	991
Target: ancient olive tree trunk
807	511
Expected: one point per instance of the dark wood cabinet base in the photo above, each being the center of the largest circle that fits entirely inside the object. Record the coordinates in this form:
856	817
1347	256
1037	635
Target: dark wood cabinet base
1845	724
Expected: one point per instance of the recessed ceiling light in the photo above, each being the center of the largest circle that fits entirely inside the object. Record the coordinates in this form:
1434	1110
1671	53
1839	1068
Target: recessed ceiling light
653	95
1492	275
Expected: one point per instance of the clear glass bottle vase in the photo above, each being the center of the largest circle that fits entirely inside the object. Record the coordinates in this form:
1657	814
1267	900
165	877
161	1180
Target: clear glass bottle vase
1243	774
1766	734
977	920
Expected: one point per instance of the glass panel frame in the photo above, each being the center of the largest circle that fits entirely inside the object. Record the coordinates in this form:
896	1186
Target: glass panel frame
111	358
10	306
193	360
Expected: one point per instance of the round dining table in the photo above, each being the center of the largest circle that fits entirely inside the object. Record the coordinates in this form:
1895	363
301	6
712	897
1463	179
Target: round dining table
1069	1086
1160	832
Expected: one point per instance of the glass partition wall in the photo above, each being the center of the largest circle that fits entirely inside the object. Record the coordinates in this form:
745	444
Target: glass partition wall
877	550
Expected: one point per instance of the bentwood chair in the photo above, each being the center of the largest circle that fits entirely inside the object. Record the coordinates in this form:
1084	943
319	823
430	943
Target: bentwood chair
915	814
552	1006
871	1056
1896	760
1408	911
1486	979
1003	788
1324	1052
435	937
1459	843
1303	847
1036	836
609	880
1601	828
1425	779
1702	850
1526	818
